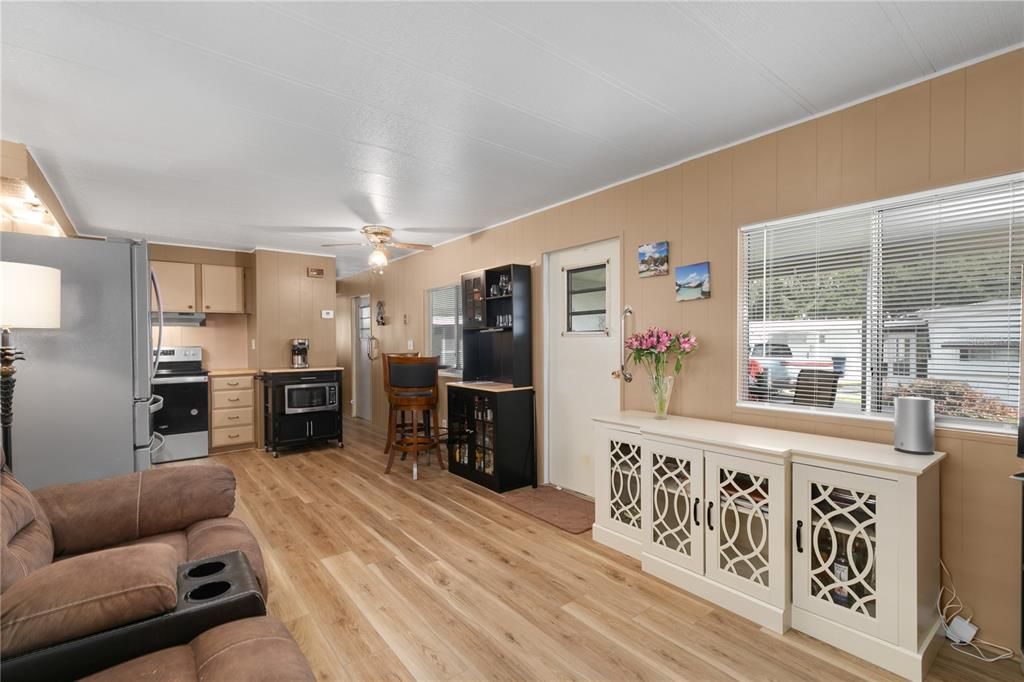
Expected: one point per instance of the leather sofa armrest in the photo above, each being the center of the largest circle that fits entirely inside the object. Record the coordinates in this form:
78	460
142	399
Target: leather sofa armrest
88	594
99	514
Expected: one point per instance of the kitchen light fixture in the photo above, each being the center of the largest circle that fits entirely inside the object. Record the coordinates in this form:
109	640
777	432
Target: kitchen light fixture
29	299
378	259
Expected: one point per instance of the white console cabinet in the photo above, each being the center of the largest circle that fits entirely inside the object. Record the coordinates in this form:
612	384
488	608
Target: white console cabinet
834	537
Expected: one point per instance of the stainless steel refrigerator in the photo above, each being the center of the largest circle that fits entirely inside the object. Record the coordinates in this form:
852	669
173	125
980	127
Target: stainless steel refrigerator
82	400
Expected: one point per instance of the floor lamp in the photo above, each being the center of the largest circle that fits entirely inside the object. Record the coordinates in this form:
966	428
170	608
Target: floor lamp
29	299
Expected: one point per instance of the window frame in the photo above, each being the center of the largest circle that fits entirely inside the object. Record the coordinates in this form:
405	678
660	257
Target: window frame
876	206
567	272
459	327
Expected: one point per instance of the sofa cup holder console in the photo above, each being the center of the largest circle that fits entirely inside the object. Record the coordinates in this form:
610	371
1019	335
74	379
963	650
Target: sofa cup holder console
211	591
206	569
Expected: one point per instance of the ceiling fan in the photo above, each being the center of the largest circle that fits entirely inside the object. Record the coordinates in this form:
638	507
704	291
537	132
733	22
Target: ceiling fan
379	237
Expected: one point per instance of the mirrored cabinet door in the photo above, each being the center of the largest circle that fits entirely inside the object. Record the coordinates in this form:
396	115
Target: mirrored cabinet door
745	514
844	553
675	530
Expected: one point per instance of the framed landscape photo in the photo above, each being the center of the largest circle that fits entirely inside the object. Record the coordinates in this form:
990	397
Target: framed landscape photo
652	259
693	282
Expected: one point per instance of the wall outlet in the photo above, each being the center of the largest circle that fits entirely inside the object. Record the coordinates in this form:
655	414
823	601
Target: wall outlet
444	423
409	344
326	314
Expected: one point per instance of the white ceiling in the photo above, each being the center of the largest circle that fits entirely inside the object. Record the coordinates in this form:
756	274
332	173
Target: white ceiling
238	124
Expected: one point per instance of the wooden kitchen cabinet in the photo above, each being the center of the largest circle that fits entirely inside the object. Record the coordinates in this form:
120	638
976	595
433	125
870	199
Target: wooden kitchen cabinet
177	286
223	289
232	418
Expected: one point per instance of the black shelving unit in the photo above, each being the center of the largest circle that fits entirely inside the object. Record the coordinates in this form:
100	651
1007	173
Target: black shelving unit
491	438
496	325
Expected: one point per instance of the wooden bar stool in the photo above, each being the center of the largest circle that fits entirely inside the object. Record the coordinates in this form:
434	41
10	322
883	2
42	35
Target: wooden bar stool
396	418
413	388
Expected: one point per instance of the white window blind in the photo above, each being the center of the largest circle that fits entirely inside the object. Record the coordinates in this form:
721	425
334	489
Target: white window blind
444	311
841	312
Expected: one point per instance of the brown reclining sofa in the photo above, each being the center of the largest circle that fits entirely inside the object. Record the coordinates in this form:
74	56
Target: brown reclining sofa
88	558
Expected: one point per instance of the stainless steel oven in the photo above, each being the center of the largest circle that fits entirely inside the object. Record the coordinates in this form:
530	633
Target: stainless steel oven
318	397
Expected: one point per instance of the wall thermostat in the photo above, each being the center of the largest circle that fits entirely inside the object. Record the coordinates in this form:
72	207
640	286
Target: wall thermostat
327	314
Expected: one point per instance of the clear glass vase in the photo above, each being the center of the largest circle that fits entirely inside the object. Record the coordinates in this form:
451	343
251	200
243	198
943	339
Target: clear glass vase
661	392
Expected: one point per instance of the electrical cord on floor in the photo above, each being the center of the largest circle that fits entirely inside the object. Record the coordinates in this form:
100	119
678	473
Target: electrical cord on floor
953	608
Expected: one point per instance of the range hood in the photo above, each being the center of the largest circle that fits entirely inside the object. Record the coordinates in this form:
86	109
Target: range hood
180	319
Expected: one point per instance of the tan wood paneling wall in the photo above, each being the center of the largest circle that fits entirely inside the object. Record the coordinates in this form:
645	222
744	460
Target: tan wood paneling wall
288	305
965	125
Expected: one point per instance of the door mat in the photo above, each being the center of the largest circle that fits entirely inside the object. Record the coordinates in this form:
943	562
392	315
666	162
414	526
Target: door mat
571	513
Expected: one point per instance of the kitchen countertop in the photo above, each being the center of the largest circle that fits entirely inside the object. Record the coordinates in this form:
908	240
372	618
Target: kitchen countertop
491	386
232	372
286	370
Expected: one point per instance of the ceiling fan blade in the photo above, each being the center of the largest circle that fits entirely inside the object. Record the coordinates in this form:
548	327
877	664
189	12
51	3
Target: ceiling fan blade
344	244
436	230
417	247
300	229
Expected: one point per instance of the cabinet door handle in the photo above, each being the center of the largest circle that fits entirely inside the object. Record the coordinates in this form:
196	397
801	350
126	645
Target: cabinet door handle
233	400
711	506
233	417
232	383
696	511
800	536
232	435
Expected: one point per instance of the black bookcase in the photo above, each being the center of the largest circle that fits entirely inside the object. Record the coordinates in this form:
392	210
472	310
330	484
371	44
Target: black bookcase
497	337
491	437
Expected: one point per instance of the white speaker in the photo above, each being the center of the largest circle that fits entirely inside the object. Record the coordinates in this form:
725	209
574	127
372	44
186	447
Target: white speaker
914	431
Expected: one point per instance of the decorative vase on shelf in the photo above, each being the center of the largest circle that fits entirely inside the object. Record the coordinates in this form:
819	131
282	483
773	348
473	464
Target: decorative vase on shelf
653	350
661	392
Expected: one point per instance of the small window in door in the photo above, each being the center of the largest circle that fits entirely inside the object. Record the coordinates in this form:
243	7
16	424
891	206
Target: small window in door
364	319
587	302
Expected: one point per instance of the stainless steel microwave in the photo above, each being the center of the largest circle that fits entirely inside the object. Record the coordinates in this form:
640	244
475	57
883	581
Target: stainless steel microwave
302	398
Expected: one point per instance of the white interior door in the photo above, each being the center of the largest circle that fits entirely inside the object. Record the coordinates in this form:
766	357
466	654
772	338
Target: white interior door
582	329
362	402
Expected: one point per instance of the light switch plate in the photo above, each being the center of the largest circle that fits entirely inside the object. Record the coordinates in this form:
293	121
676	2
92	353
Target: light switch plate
409	344
327	314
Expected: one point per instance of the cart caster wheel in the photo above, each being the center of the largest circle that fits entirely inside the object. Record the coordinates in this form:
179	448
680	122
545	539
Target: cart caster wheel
340	444
274	453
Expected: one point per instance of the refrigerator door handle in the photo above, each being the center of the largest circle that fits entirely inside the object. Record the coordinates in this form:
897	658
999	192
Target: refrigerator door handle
160	328
156	403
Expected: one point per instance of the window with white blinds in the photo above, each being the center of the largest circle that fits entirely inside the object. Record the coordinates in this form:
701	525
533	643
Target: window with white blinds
444	313
841	312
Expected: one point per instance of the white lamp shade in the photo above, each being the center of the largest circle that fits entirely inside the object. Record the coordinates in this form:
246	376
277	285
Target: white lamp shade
29	296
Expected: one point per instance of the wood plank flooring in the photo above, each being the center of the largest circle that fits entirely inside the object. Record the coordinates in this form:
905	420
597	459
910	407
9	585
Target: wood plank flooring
379	577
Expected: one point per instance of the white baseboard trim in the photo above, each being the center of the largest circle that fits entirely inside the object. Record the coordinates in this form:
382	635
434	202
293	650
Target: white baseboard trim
767	616
618	541
912	665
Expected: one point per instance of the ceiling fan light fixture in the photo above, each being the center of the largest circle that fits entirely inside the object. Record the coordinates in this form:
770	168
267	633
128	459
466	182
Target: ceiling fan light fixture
378	259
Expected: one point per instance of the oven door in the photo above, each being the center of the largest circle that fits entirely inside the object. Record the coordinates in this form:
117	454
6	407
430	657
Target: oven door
301	398
186	405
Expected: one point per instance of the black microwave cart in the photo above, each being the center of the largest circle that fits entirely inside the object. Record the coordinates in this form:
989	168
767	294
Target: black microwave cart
301	408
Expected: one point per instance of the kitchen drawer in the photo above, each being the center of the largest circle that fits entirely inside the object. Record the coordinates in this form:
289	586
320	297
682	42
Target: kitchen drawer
241	416
222	399
239	383
232	435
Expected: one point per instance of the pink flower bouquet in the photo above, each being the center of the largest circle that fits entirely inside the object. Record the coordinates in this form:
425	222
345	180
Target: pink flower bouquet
653	350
